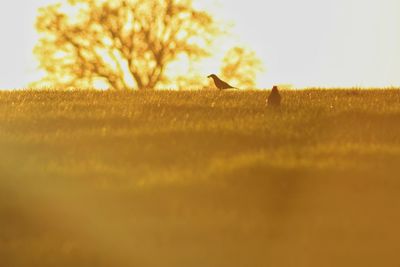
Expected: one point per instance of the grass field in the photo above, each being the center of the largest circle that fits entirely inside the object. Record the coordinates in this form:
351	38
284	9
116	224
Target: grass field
199	179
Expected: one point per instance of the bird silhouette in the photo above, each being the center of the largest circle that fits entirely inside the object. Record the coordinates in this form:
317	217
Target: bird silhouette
274	98
220	84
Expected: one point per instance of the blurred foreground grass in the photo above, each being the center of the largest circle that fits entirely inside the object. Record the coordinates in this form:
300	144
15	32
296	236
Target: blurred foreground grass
167	178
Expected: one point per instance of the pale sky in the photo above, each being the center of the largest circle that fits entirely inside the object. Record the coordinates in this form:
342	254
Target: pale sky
323	43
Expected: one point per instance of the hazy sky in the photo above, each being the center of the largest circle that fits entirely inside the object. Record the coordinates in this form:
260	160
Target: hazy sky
321	43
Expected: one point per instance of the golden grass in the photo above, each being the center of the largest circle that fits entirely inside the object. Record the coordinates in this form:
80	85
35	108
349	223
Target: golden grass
201	178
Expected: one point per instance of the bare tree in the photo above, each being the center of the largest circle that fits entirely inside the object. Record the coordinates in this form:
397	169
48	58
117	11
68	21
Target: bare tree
121	43
240	67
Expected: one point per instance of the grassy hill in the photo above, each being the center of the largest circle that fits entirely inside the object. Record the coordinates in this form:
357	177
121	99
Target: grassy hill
201	178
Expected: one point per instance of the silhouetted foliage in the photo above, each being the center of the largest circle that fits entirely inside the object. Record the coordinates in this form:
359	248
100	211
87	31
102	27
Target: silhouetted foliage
240	66
121	43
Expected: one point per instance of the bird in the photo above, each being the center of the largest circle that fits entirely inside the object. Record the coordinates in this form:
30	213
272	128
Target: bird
274	98
220	84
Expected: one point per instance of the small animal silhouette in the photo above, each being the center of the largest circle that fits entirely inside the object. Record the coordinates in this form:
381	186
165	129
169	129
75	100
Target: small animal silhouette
220	84
274	99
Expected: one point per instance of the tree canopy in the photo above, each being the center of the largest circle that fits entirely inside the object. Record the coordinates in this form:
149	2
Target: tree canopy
240	66
122	44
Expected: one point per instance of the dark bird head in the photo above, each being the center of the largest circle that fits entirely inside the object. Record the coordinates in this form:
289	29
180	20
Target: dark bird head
275	88
212	76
